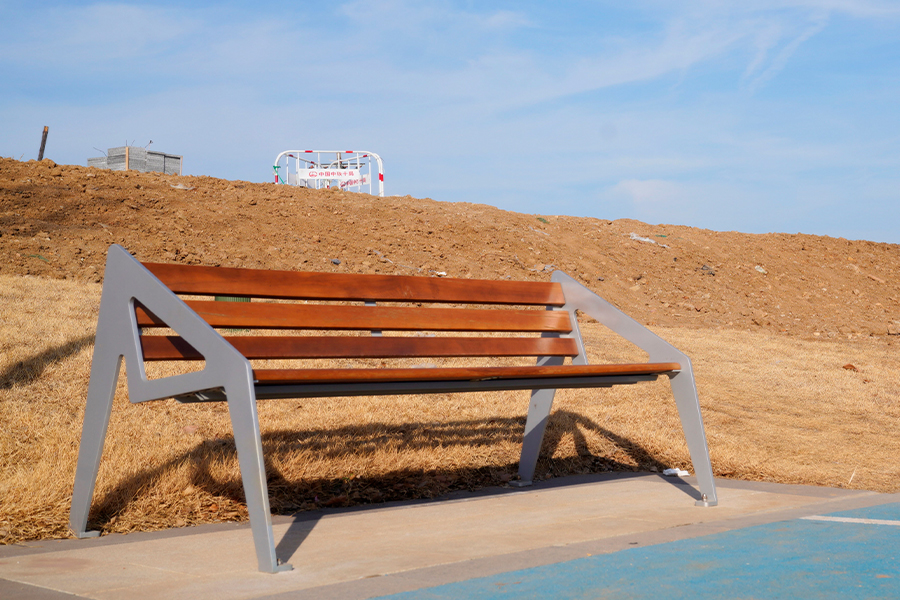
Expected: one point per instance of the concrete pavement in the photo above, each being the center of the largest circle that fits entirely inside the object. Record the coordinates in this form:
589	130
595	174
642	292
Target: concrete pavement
411	547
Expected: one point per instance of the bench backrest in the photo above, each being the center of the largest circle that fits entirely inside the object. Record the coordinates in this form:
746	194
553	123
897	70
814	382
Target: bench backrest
323	304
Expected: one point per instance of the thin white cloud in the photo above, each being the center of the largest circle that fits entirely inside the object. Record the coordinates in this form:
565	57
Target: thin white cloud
94	35
427	53
418	18
781	58
853	8
710	204
651	193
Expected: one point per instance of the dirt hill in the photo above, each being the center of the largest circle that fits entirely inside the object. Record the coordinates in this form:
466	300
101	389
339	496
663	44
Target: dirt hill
57	221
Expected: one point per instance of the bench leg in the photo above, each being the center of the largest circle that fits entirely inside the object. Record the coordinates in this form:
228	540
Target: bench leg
538	415
245	424
684	389
535	425
101	390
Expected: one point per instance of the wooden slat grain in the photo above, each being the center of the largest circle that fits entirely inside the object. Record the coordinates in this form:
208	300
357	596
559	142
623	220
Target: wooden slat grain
255	283
260	315
158	347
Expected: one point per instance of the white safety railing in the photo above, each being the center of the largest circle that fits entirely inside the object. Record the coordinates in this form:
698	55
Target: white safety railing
348	169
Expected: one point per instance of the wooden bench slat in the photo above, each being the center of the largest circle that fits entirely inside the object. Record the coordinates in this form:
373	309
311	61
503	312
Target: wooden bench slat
300	376
158	347
258	315
254	283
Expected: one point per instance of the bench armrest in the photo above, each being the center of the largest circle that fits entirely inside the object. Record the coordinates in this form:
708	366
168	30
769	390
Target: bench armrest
578	297
684	386
127	281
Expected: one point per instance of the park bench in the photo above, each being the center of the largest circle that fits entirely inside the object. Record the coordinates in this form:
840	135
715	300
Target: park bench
351	316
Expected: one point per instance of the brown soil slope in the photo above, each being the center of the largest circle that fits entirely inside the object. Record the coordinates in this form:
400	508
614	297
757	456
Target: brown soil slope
57	221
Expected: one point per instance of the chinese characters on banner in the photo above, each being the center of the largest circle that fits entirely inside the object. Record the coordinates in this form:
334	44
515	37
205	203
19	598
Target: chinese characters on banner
339	174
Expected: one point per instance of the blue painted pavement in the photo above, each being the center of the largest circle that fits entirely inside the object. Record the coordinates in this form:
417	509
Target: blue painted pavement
803	558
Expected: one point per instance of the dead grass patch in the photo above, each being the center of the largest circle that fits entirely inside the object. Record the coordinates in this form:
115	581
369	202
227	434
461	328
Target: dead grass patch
776	408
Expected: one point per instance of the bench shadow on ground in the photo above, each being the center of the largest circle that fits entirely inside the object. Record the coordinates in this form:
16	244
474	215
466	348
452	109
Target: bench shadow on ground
307	501
27	371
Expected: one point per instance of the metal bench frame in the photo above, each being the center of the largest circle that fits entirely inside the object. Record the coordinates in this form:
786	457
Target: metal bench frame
228	376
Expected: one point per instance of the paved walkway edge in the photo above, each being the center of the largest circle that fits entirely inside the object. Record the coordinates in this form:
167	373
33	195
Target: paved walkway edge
365	589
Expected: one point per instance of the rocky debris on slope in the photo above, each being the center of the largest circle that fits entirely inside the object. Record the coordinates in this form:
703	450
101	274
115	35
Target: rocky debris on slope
58	221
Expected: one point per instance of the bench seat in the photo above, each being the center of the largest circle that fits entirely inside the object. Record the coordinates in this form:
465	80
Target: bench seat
300	376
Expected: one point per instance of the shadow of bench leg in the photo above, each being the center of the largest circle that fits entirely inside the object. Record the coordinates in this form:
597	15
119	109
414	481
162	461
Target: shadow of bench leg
101	390
684	389
245	423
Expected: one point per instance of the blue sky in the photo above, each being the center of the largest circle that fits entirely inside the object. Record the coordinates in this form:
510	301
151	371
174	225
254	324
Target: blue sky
750	116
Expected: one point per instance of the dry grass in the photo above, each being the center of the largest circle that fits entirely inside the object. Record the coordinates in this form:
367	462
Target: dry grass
776	408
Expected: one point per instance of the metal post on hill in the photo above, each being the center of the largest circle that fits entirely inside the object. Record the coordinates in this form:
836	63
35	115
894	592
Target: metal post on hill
43	143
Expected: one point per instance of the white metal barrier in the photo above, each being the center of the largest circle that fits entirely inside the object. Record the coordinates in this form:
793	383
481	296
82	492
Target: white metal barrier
347	169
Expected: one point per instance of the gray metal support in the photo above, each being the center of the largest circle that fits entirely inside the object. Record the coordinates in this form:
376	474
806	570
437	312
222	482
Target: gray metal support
127	281
375	332
684	388
540	405
535	424
247	440
101	390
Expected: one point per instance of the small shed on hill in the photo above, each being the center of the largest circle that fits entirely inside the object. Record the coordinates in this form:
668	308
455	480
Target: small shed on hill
135	158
